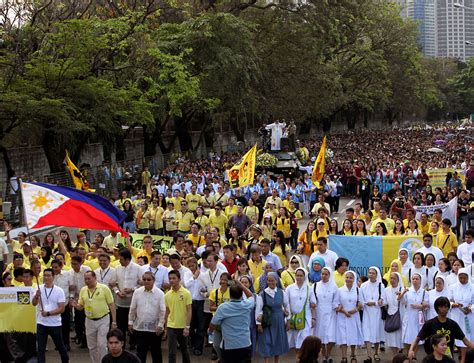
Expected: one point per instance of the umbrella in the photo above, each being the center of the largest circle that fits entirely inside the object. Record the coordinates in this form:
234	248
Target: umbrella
434	150
469	137
440	142
448	136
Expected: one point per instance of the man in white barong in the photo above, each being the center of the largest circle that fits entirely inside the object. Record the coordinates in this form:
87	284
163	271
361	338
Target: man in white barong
277	132
372	297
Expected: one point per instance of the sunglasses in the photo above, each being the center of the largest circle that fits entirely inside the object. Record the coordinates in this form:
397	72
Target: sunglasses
147	279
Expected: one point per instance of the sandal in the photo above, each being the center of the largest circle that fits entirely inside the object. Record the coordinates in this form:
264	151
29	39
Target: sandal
376	358
353	359
344	360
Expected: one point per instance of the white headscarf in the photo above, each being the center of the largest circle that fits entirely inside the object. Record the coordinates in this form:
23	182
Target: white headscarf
354	285
422	282
306	281
378	279
331	277
462	293
392	296
443	292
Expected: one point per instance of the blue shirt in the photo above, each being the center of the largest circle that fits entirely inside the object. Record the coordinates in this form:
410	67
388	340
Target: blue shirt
234	319
273	259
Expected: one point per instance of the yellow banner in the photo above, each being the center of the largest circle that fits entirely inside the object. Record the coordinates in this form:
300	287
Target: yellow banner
17	313
392	244
438	177
318	169
80	182
243	174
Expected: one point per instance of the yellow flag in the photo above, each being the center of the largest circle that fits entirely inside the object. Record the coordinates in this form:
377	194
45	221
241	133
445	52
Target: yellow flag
80	182
17	313
318	169
243	174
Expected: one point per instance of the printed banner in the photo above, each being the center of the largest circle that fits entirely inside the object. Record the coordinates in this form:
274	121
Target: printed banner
449	210
365	251
160	243
318	169
243	174
17	313
438	177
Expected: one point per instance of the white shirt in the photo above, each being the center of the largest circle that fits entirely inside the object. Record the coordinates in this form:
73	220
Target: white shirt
50	300
3	249
62	281
127	278
464	252
220	266
160	272
77	279
435	251
210	280
106	276
193	285
329	258
272	293
147	309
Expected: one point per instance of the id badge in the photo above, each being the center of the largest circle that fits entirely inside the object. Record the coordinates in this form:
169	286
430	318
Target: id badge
88	310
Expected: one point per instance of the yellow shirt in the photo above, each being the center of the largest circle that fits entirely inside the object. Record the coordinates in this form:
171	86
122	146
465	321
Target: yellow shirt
203	221
138	252
347	233
218	221
218	298
405	224
177	302
193	201
339	279
230	211
257	269
155	217
447	241
184	220
110	242
251	211
17	283
286	203
197	240
287	278
283	224
96	301
279	252
221	198
267	231
273	212
389	223
46	265
93	263
177	203
424	229
375	215
171	215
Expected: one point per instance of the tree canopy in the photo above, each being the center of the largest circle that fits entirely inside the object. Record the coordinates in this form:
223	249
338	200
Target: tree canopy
72	71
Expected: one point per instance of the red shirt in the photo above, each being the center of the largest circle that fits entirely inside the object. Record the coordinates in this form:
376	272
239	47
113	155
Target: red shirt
230	266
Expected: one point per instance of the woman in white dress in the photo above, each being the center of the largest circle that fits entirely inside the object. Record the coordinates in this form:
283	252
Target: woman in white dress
416	302
326	293
301	297
348	326
461	302
403	256
418	267
394	294
372	297
431	266
440	289
452	278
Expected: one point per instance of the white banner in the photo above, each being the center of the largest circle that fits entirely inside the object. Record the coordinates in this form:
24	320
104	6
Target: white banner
449	210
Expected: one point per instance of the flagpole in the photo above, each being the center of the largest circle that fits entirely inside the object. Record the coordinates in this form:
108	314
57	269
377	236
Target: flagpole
29	236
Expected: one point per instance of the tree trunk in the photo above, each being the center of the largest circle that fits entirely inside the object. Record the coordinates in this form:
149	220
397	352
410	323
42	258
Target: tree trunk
8	164
234	123
55	152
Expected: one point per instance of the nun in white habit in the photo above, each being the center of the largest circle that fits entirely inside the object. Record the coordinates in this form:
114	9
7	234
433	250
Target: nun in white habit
372	297
416	303
301	297
461	303
348	326
326	293
440	289
394	293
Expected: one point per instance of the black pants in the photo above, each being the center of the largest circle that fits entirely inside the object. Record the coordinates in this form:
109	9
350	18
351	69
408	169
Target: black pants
242	355
365	201
148	341
198	325
336	203
175	337
42	333
66	324
80	325
122	324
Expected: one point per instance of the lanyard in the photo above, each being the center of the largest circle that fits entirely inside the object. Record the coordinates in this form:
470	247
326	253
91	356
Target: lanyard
102	277
215	276
93	293
154	273
46	293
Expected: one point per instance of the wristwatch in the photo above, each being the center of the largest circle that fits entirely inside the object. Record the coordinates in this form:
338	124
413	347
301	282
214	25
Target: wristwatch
48	313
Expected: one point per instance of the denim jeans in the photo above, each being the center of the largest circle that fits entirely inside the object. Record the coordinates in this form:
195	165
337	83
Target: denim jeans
55	332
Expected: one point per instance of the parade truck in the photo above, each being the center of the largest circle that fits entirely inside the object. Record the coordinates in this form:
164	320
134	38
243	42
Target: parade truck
278	163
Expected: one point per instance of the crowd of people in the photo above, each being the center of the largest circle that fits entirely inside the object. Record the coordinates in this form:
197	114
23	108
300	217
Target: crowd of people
249	246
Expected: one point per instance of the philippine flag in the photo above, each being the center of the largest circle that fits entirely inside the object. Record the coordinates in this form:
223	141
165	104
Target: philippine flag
52	205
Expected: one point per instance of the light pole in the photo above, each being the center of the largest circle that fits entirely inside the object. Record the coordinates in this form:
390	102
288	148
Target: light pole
461	6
